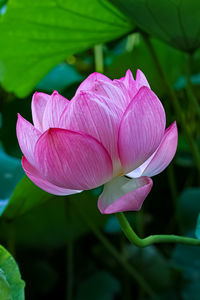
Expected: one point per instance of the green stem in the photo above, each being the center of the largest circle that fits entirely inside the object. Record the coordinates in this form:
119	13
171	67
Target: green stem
98	58
152	239
110	248
175	102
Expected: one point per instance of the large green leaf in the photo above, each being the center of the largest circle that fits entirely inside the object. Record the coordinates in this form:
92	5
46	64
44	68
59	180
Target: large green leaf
176	22
57	222
37	35
25	197
11	284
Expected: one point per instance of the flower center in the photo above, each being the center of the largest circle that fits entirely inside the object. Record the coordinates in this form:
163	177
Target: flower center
121	174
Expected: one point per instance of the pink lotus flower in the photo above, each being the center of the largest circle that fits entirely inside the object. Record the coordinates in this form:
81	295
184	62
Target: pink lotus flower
109	129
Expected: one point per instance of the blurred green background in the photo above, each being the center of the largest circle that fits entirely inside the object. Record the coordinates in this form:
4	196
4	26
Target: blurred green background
63	247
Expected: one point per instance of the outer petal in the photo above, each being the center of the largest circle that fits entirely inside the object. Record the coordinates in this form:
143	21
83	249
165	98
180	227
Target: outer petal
53	111
93	115
39	102
161	158
164	153
72	160
27	136
141	80
129	84
141	129
123	194
89	83
128	79
34	176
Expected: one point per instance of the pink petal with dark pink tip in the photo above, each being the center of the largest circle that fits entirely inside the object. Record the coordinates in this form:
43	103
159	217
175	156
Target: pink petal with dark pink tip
89	83
27	136
164	153
45	185
129	83
128	79
113	91
53	111
39	102
133	86
124	194
141	129
141	80
72	160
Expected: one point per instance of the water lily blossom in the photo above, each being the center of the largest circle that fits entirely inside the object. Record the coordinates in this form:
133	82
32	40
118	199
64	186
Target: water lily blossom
108	130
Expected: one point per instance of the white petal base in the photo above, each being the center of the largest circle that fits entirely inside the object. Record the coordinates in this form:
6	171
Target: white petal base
124	194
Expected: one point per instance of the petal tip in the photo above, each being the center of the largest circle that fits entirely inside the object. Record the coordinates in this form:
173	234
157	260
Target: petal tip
36	96
55	93
24	162
141	79
20	121
128	72
173	126
138	71
18	116
49	131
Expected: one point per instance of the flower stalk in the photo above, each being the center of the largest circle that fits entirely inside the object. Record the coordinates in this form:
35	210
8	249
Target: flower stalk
152	239
98	58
